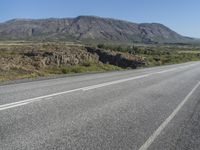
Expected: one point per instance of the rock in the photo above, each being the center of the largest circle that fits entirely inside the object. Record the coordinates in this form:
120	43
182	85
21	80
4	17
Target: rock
117	58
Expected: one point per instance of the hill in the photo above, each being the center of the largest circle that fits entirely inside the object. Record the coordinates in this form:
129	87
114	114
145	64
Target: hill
89	29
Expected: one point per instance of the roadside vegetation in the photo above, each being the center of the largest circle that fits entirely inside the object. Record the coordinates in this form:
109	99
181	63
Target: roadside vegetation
22	59
22	73
155	55
30	60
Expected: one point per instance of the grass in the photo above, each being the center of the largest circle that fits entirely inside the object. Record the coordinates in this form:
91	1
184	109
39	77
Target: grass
14	73
190	52
80	69
156	55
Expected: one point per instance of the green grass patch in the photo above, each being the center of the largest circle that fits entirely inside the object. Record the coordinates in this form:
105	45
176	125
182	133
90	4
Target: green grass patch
190	52
17	73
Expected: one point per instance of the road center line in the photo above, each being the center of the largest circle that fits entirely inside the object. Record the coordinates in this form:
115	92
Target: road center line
27	101
152	138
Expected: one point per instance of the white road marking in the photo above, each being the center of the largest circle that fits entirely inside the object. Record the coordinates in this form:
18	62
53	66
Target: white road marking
132	78
113	82
12	106
151	139
160	72
27	101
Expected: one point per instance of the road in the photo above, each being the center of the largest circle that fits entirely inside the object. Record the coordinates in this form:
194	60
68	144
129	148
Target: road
152	108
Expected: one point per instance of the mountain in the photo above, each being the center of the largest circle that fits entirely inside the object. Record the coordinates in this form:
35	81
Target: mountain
88	28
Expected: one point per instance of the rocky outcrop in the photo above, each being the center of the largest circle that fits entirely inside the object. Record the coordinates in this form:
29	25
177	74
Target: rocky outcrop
123	60
61	57
37	58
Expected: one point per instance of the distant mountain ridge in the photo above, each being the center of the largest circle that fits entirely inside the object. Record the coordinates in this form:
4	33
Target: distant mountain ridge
89	28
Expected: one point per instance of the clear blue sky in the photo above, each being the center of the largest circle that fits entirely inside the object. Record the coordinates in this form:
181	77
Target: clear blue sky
182	16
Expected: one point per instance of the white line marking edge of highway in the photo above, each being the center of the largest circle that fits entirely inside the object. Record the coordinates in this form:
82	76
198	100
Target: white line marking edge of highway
157	132
27	101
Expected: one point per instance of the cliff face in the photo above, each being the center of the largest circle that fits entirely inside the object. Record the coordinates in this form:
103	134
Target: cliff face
88	28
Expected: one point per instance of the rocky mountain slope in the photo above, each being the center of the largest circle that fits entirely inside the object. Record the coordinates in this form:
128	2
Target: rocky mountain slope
88	28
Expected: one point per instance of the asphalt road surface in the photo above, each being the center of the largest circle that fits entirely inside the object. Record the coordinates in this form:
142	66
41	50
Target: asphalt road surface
154	108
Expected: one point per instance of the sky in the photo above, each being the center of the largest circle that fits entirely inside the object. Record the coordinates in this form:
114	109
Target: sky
183	16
